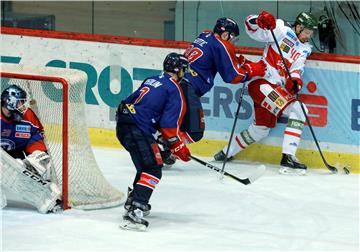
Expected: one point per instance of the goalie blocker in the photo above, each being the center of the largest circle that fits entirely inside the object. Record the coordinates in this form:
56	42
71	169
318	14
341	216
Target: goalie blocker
17	178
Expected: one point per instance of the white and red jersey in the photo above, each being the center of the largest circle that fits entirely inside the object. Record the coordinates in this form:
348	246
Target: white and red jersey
295	52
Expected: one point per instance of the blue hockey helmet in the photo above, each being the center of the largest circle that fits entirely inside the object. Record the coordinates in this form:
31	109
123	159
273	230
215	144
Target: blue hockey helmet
226	24
174	62
14	99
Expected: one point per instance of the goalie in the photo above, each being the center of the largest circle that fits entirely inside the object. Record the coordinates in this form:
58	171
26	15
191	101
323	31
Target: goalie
25	163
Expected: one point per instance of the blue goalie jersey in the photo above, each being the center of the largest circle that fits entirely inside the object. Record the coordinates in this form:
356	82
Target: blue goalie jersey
158	105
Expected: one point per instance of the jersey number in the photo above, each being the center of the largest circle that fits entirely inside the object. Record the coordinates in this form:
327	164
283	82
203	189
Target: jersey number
143	92
294	54
193	54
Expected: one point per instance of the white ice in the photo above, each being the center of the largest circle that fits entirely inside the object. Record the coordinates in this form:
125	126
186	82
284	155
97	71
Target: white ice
192	209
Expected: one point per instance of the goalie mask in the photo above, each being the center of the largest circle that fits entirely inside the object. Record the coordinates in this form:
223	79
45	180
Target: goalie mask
14	99
175	62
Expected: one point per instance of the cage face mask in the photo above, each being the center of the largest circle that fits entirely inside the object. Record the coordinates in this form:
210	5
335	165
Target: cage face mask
15	100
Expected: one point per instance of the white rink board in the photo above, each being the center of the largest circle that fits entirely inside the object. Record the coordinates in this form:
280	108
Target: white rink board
129	64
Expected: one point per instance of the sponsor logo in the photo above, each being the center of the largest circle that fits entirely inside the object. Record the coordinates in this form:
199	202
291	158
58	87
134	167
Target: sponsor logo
293	144
22	135
285	47
280	102
23	128
247	138
291	35
273	96
35	177
288	42
152	182
295	124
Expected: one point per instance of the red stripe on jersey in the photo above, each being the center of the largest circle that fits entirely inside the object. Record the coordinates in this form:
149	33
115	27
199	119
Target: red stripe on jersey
185	137
248	26
239	143
230	51
156	151
274	60
31	117
39	145
183	107
148	180
292	134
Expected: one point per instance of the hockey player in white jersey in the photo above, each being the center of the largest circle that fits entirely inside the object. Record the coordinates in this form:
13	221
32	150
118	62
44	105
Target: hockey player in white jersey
274	94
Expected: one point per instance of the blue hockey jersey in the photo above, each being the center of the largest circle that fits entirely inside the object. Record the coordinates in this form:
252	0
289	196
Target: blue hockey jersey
208	55
25	136
158	105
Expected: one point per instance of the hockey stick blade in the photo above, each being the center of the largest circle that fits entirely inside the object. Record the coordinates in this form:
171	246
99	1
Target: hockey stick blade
333	169
259	171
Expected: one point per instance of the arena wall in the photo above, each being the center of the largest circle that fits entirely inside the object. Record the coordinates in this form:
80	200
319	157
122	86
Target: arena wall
115	66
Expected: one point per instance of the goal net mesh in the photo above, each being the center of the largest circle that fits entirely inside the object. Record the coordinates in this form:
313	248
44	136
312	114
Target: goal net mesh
84	183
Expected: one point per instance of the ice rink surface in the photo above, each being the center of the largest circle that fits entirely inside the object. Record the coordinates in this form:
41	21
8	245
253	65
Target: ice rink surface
194	210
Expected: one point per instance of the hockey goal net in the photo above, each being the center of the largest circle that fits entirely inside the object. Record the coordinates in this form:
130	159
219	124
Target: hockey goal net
58	98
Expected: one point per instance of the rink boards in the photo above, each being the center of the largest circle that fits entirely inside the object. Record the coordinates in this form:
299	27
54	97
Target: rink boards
115	66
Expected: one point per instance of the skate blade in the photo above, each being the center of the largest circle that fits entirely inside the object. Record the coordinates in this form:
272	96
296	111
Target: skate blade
128	225
290	171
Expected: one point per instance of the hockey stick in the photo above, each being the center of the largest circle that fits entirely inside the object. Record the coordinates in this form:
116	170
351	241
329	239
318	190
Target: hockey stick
233	128
331	168
246	181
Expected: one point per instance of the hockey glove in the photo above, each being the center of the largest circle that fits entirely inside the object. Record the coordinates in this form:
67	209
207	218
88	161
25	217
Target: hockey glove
294	85
40	161
255	69
266	21
179	150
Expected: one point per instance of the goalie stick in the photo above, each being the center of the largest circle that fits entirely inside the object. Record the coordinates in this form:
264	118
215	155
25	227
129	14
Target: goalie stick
333	169
259	171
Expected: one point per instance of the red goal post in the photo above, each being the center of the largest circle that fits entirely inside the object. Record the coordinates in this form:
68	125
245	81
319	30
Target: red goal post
58	98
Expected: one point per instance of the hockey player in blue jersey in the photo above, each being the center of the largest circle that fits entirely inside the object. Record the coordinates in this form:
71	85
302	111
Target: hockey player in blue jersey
25	163
211	52
158	105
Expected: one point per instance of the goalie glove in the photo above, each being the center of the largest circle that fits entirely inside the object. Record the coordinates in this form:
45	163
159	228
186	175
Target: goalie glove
41	162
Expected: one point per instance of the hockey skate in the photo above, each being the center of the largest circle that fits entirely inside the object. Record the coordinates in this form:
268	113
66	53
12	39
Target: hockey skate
129	201
220	156
57	208
133	219
291	165
52	204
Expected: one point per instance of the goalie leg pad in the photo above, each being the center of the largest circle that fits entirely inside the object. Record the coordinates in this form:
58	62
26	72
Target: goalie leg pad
29	186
